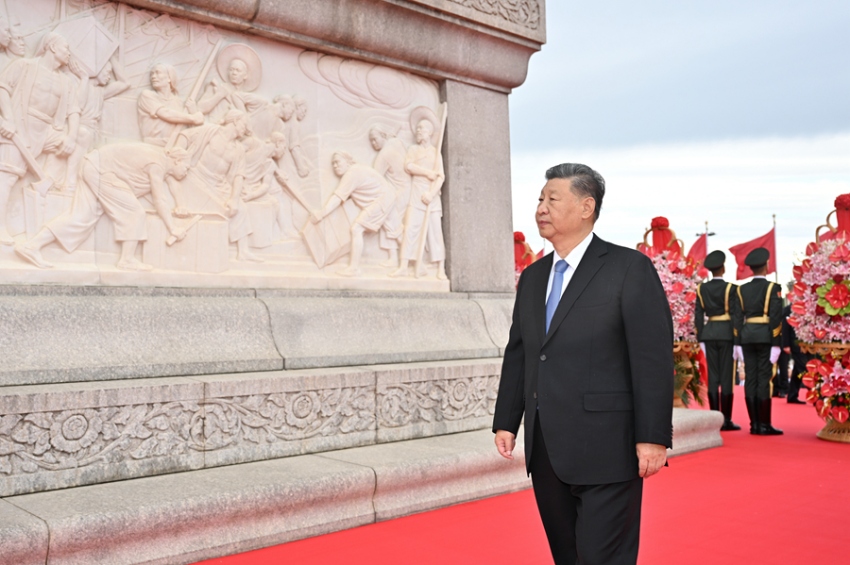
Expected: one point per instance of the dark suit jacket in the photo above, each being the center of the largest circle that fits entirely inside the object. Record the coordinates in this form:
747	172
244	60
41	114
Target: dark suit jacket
601	380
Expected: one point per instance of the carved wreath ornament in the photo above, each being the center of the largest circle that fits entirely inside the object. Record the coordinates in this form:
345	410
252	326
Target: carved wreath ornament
522	12
68	439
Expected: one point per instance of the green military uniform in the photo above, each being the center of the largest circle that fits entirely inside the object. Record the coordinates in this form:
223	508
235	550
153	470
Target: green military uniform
759	327
717	299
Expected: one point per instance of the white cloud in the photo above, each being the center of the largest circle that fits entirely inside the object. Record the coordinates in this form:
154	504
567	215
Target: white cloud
735	185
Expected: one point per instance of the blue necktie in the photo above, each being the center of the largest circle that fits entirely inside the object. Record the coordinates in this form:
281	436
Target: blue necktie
555	293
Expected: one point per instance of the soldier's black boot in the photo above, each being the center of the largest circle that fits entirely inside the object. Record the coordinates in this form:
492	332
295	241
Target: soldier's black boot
753	412
712	401
764	409
726	409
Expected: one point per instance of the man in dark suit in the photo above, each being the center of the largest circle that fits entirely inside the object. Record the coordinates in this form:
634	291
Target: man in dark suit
759	325
716	299
591	367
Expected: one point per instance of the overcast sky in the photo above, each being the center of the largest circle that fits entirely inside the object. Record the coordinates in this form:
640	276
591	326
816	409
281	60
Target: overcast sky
716	110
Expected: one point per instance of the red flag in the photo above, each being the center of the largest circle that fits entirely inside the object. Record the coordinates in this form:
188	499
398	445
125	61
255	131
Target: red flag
740	251
697	254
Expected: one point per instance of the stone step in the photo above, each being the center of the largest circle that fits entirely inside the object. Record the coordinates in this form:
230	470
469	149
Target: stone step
182	518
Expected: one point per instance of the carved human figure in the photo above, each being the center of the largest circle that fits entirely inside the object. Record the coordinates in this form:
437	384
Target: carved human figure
114	178
161	112
92	93
241	69
390	162
38	113
287	113
217	174
425	211
375	198
261	186
12	45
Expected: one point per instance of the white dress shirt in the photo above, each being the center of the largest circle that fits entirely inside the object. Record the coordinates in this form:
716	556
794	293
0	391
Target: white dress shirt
573	258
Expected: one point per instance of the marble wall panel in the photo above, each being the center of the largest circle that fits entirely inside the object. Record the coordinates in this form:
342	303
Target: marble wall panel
71	434
173	152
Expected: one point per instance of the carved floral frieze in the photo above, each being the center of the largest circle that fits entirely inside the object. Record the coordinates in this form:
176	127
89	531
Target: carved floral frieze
69	439
403	404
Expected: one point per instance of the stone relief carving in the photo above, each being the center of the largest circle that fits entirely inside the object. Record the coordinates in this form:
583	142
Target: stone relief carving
522	12
438	400
53	441
137	142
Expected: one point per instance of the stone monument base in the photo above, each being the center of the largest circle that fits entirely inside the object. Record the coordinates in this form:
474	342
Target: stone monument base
202	514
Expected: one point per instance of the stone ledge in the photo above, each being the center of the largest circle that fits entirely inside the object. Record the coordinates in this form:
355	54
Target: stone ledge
186	517
694	430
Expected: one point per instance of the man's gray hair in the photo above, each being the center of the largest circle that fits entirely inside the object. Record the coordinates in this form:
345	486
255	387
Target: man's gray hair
583	180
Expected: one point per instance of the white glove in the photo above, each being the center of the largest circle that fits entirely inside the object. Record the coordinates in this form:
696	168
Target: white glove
702	346
737	353
774	354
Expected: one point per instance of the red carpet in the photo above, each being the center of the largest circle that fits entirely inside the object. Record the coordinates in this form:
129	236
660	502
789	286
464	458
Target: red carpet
754	501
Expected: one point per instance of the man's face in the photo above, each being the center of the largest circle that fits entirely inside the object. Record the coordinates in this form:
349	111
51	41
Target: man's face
560	212
301	111
340	165
18	45
241	128
424	129
62	51
159	78
376	140
237	72
179	168
279	149
104	76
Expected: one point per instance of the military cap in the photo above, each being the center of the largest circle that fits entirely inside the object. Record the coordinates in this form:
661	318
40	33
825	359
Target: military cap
757	257
714	260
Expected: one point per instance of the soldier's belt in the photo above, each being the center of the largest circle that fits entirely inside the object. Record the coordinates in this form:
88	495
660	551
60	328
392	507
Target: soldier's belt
720	318
758	320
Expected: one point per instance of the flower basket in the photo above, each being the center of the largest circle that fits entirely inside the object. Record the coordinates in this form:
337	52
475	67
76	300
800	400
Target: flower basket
679	276
820	306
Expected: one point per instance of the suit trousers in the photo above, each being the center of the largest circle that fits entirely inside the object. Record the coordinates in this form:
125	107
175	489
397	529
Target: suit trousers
586	524
721	366
759	370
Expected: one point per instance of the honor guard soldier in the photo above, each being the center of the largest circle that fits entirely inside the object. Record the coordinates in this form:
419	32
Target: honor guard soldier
716	299
759	326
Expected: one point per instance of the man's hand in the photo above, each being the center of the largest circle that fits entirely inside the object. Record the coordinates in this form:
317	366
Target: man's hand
774	354
651	457
737	353
505	443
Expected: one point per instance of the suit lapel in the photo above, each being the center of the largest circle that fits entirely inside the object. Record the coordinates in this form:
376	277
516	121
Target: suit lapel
587	268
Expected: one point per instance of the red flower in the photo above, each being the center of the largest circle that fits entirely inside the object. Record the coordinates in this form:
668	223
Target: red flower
811	249
813	365
677	287
823	409
838	278
812	397
798	308
820	334
838	296
841	253
840	414
806	265
800	288
690	297
826	390
819	310
810	380
798	272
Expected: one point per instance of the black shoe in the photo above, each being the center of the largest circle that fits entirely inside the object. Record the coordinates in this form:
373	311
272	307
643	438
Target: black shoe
792	400
729	426
768	430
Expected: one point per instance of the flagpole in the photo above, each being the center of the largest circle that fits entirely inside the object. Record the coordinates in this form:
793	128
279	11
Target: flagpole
706	237
776	270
